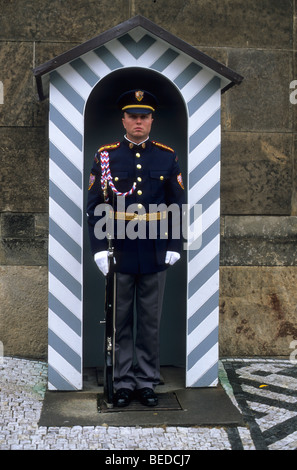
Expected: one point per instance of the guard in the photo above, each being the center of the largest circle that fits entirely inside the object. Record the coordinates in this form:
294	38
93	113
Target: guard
136	194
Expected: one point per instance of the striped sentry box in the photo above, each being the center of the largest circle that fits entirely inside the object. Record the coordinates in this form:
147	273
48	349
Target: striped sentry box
70	86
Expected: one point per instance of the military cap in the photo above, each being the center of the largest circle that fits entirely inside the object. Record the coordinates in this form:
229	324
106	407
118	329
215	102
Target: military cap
137	101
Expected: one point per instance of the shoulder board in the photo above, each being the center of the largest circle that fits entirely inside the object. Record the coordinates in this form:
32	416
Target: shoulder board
162	146
109	147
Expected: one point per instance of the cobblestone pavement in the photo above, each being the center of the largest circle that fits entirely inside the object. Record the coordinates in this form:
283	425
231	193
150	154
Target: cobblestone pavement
264	390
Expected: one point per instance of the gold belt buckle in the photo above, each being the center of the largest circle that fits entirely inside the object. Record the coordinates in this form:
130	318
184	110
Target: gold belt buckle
141	217
135	216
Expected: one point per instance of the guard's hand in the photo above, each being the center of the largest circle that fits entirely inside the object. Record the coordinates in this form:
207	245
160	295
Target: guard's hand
171	257
101	259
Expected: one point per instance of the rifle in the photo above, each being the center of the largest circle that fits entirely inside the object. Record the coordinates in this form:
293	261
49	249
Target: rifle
109	342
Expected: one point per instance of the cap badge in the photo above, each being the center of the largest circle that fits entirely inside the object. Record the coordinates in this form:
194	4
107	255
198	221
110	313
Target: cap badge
139	95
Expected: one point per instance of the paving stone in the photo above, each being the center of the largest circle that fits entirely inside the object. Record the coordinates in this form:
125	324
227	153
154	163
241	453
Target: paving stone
270	412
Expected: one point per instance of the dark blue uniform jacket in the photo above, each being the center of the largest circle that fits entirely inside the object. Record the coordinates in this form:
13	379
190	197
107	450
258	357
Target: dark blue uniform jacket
140	245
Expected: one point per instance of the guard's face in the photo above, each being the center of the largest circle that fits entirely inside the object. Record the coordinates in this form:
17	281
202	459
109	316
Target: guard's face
138	126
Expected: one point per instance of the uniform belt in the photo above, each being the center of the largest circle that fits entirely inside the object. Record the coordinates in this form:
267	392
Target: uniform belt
150	216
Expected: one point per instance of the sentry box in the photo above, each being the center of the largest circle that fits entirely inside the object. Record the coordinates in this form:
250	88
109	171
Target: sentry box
83	85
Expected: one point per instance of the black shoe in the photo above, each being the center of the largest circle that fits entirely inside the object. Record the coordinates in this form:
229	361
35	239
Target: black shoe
122	397
147	396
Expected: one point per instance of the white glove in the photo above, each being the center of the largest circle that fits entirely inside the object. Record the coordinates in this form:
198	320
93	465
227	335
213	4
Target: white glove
171	257
101	259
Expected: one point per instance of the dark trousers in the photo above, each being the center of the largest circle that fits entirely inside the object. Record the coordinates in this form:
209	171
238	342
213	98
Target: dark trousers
137	363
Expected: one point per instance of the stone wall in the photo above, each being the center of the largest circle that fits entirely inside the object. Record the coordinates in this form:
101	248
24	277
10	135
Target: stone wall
258	188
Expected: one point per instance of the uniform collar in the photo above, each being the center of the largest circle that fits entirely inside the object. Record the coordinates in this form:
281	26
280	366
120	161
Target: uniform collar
134	145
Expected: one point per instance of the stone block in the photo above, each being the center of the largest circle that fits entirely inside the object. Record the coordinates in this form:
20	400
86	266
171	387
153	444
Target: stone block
257	252
261	102
23	239
18	19
23	251
23	310
257	173
258	308
265	227
24	170
55	20
235	23
17	225
259	241
16	76
78	21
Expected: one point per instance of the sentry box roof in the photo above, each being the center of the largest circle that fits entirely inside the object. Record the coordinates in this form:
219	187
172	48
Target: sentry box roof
127	33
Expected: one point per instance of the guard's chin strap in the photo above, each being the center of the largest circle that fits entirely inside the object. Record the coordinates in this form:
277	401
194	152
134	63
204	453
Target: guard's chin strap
106	177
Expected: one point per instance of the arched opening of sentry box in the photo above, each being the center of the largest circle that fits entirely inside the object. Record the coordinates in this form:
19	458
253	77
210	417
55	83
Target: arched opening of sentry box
102	126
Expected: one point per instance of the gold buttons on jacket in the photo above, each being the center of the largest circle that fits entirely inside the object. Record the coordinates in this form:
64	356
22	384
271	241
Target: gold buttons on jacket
161	178
139	179
116	178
